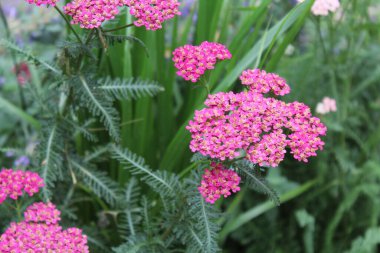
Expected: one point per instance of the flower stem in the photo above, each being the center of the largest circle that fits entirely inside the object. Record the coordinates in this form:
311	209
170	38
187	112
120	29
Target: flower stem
68	23
118	28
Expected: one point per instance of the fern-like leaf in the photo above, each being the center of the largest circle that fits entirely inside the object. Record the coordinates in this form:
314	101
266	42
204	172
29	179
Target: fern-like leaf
28	56
99	105
112	39
129	216
160	181
98	182
129	88
51	159
202	232
247	170
140	244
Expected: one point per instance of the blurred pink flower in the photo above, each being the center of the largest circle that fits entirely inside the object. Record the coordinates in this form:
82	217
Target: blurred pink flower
23	74
322	7
327	105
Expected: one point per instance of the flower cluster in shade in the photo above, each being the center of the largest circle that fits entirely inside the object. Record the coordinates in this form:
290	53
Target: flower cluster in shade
218	182
193	61
152	13
42	2
149	13
258	127
40	232
91	14
322	7
14	182
327	105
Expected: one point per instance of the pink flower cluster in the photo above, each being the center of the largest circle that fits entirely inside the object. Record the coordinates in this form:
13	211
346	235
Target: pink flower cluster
217	182
260	81
13	183
192	61
40	232
42	2
248	123
327	105
322	7
152	13
91	14
41	212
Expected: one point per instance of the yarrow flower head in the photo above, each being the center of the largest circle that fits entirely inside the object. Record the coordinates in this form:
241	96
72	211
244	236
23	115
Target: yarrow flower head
327	105
91	14
152	13
41	212
322	7
42	2
217	182
260	81
193	61
249	123
13	183
40	232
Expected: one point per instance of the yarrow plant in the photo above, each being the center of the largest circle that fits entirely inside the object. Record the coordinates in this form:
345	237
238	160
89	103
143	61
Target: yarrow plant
193	61
42	2
259	128
323	7
149	13
152	13
40	232
13	183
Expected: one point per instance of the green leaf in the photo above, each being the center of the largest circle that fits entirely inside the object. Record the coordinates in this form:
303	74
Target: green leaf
13	110
129	88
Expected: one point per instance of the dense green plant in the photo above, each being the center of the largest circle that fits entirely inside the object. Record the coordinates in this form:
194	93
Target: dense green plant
104	100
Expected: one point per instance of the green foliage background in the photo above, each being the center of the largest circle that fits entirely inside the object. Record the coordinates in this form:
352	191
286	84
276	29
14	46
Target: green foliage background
129	99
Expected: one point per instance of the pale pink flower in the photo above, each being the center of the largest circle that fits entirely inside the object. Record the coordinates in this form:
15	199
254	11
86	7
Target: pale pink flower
322	7
327	105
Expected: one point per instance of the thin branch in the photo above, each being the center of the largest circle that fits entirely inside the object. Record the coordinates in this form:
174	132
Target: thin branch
118	28
68	23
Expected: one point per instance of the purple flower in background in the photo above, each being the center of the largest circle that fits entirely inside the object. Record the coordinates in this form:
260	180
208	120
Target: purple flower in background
2	81
22	161
186	7
9	153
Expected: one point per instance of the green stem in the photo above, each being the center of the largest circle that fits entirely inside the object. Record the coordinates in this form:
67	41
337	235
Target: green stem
118	28
69	24
8	34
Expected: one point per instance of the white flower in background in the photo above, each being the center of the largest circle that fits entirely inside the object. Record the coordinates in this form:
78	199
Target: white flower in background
327	105
322	7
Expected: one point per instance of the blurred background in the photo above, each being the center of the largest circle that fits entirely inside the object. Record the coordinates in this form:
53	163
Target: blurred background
331	204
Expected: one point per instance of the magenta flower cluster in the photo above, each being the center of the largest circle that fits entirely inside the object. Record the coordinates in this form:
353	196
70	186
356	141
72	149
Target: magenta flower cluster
42	2
40	232
218	182
152	13
249	124
149	13
14	182
91	14
193	61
